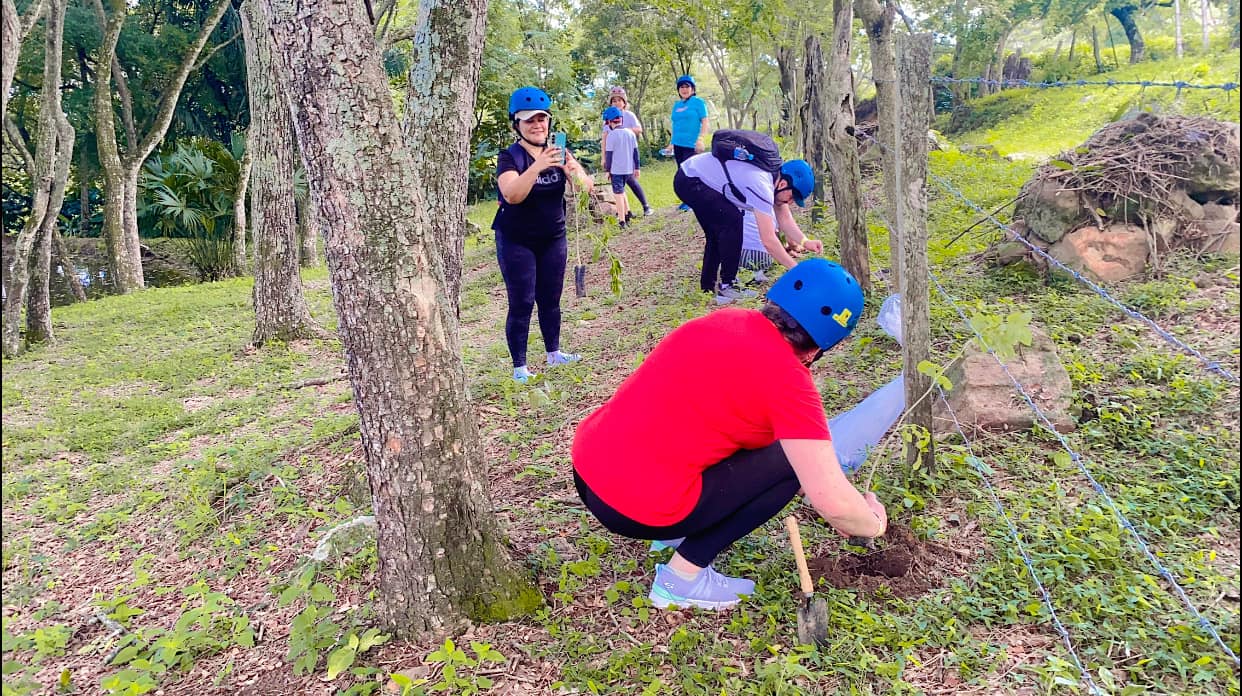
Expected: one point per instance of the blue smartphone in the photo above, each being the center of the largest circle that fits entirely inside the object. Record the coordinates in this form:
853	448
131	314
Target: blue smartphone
558	139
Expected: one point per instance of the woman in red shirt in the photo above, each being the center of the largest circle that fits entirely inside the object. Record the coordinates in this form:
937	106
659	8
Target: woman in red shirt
719	429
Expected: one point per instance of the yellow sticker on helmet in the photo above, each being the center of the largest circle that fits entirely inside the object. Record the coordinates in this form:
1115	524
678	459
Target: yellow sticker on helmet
843	317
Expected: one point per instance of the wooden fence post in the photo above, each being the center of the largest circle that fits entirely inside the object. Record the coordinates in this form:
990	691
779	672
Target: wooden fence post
914	97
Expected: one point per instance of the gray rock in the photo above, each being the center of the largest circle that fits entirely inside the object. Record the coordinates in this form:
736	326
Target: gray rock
984	397
1048	211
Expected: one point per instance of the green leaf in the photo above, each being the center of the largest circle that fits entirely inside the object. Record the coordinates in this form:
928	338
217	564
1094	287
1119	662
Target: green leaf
320	592
340	660
1060	164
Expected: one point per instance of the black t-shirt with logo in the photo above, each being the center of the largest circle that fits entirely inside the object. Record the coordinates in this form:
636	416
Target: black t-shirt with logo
541	215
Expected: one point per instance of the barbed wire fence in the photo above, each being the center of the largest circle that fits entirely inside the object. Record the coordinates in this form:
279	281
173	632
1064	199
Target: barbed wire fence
1214	366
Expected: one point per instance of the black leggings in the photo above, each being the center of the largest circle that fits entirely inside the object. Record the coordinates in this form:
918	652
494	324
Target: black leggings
722	229
681	154
740	493
620	181
534	274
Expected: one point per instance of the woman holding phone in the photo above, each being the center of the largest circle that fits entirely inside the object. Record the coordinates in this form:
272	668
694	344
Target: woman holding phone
531	248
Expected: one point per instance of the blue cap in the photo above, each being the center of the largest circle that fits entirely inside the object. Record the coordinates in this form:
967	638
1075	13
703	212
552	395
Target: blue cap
822	297
686	80
611	113
801	179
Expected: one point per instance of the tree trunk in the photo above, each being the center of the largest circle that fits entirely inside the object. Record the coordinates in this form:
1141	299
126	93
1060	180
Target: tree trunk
878	20
441	551
915	52
121	171
279	307
84	200
240	224
1073	44
842	149
815	112
308	233
15	28
1178	45
70	269
1125	17
1203	25
124	268
787	69
39	297
443	80
48	180
1095	49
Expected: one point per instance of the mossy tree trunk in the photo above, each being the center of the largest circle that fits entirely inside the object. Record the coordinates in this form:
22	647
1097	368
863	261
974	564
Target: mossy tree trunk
878	18
279	306
48	167
308	233
240	220
439	112
441	552
121	169
814	112
842	149
15	28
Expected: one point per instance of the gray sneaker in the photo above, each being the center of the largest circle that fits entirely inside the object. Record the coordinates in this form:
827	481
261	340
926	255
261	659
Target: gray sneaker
710	590
731	292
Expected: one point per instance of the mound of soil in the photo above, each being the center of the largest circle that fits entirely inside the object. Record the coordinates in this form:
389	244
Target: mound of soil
903	564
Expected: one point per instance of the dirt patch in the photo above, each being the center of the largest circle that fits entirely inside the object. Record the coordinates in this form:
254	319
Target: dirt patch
901	562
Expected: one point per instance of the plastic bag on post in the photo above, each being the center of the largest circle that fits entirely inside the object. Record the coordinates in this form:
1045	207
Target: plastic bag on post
859	429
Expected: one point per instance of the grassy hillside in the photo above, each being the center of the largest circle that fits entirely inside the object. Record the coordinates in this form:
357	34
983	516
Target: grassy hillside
161	475
1037	123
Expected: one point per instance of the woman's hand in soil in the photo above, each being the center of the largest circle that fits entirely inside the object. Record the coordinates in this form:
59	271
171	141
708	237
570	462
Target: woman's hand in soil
878	509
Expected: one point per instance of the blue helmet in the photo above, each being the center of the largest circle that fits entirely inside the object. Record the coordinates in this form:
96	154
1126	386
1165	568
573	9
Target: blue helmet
801	179
611	113
822	297
686	80
529	99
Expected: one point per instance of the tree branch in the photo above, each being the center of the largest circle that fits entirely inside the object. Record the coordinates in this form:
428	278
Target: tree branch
19	143
31	17
906	18
172	92
203	61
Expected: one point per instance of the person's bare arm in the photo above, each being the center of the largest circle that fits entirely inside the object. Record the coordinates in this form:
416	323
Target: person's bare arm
767	235
786	223
831	494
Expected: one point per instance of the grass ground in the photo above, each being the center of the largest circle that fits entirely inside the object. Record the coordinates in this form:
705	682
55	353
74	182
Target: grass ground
164	485
1035	124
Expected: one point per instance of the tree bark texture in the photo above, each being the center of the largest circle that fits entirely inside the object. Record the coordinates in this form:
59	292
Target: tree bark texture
49	177
787	66
14	30
441	554
240	222
1125	17
308	233
121	170
815	112
439	109
68	267
878	20
279	307
842	149
914	57
1095	49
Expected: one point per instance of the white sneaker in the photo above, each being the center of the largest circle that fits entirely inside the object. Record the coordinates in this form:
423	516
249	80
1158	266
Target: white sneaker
728	293
560	358
521	374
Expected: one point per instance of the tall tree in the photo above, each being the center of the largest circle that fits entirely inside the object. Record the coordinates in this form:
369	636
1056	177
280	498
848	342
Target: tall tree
441	550
279	305
842	148
877	17
814	112
443	80
48	166
122	168
15	28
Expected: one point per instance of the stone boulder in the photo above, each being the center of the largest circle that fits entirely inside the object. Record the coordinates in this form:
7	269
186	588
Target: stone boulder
1047	210
984	397
1116	252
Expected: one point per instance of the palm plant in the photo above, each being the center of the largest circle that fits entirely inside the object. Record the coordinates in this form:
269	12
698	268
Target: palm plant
189	193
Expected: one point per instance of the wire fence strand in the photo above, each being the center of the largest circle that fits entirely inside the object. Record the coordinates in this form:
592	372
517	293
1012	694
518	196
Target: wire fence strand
1075	457
976	463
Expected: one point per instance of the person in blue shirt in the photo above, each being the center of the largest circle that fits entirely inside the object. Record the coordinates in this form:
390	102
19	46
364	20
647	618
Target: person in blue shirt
689	121
531	248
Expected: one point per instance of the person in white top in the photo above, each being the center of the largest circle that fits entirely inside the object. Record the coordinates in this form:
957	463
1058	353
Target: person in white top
720	198
755	256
